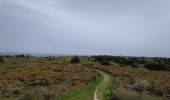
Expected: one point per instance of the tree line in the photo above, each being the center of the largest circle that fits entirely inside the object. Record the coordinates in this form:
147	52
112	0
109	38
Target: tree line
151	63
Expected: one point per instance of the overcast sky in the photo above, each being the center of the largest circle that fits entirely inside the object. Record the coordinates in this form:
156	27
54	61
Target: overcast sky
115	27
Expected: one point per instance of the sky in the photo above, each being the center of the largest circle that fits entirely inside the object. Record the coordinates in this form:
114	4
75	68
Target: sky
86	27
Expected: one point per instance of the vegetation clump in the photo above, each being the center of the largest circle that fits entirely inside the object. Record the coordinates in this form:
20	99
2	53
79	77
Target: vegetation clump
2	60
107	63
135	65
75	59
157	67
150	63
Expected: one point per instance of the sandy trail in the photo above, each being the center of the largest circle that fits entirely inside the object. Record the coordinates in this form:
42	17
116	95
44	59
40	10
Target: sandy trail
100	88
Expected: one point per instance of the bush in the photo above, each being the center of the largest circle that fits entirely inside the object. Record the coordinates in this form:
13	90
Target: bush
50	59
103	58
2	60
135	65
105	63
157	67
11	88
141	85
75	59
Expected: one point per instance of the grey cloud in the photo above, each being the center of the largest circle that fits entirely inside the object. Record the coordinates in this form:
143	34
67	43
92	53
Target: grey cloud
133	27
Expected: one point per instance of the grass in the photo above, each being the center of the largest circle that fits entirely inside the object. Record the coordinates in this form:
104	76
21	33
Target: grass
85	93
108	90
87	63
105	91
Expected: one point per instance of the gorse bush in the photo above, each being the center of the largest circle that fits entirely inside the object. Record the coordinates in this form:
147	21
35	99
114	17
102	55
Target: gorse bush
75	59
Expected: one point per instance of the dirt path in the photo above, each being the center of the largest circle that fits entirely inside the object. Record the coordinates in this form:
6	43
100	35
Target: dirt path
99	90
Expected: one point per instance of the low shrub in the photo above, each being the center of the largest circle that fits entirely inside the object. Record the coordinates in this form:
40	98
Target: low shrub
75	59
135	65
140	85
11	88
157	67
105	63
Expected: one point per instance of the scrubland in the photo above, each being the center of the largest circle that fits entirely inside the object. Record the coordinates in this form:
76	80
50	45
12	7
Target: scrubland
139	83
41	78
76	78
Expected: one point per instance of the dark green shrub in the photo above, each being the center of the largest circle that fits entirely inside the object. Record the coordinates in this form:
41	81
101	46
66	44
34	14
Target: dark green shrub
75	59
50	59
135	65
157	67
2	60
20	56
105	63
103	58
28	56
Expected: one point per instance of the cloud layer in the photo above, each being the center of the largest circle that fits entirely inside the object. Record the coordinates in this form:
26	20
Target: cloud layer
117	27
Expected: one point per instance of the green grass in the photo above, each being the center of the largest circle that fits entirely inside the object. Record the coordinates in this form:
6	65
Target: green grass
106	91
87	63
85	93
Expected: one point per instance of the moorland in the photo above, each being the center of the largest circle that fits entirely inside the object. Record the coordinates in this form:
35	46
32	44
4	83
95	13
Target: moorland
25	77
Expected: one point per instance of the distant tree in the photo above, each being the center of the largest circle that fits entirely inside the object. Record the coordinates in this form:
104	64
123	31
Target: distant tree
20	56
134	60
50	58
123	60
147	60
7	56
75	59
1	56
28	56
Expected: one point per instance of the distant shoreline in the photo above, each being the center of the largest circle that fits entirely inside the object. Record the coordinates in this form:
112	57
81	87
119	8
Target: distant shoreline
58	55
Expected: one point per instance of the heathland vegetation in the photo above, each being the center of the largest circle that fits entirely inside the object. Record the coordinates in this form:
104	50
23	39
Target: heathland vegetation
24	77
37	78
138	78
